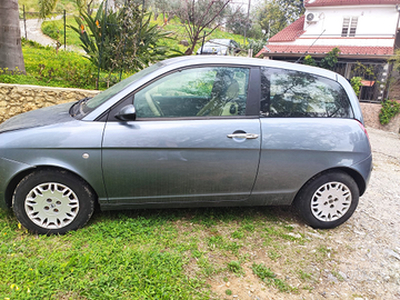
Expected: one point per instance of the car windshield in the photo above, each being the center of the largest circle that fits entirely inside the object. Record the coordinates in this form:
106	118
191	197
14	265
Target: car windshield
83	107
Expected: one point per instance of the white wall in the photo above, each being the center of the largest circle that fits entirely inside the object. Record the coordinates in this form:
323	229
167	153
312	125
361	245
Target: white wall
377	26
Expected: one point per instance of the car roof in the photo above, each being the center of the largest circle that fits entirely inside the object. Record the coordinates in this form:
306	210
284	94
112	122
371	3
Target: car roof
186	61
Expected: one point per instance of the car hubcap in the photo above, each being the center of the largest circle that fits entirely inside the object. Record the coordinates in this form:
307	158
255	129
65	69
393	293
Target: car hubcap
51	205
331	201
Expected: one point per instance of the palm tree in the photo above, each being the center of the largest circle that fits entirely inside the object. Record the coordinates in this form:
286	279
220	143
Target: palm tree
10	37
11	57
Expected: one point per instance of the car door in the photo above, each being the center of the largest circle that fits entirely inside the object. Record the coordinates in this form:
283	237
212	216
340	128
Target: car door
192	140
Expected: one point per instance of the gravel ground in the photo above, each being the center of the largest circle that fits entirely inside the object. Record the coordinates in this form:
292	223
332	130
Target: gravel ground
364	253
368	244
367	247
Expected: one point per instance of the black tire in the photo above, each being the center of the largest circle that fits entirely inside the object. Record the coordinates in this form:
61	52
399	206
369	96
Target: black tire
53	202
328	200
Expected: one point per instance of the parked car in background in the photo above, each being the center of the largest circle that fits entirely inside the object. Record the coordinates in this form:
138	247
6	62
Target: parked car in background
191	132
219	47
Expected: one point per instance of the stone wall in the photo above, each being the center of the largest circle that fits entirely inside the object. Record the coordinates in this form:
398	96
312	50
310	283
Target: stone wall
394	86
16	99
394	92
371	118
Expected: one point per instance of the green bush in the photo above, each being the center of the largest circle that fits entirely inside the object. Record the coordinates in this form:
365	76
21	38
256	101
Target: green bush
389	110
308	60
51	29
356	84
126	40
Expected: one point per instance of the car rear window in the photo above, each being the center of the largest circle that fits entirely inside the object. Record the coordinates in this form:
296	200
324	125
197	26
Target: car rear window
288	93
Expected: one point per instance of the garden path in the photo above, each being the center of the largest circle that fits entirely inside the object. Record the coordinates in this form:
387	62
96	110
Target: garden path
34	31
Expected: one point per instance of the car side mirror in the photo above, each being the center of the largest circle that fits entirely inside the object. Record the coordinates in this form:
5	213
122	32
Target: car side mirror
127	113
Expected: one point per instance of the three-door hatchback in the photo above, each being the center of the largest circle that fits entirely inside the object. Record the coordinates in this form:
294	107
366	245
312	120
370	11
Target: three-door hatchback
191	132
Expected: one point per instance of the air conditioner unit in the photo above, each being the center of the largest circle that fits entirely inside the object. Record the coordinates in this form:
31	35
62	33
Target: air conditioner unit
312	17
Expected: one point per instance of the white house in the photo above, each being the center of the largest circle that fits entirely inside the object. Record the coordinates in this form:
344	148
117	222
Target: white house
365	31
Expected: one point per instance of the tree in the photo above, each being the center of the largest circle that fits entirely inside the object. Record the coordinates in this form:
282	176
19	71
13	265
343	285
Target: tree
275	15
198	15
166	7
46	7
10	37
239	22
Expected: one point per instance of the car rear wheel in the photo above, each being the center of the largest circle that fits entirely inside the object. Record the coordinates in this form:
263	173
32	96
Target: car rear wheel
328	200
53	201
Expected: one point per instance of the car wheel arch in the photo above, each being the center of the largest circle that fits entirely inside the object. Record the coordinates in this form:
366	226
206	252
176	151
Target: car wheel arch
351	172
19	176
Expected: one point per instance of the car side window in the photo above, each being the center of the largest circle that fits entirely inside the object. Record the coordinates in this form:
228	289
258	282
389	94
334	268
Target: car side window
208	91
288	93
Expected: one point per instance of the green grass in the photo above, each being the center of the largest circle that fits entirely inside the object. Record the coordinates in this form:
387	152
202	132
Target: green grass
269	277
153	254
55	30
47	67
117	256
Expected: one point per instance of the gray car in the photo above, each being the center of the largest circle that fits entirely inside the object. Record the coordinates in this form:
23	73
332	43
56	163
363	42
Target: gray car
219	47
191	132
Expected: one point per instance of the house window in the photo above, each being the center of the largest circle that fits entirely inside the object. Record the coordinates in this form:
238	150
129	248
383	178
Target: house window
349	26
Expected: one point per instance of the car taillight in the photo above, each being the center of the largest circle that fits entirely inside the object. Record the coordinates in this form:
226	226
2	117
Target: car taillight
364	129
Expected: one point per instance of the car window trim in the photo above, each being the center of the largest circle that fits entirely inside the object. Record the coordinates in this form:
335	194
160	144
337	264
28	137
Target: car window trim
254	92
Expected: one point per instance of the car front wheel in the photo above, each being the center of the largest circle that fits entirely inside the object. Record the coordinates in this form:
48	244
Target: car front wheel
328	200
53	201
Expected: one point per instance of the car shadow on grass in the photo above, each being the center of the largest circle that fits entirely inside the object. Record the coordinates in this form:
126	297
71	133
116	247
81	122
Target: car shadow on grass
204	216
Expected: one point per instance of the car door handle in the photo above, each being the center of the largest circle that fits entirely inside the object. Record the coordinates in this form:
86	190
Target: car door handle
243	136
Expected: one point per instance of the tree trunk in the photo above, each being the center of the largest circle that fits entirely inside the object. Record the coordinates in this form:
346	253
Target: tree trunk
10	37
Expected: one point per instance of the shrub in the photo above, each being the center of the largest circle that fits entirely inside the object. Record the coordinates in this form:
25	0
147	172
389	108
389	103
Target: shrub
389	110
356	84
125	40
52	30
328	62
308	60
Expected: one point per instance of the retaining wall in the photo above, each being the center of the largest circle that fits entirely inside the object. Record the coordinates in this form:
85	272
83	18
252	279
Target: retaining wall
371	118
16	99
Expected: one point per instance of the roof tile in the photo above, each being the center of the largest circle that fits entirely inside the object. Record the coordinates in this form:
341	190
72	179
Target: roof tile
317	3
290	33
349	50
